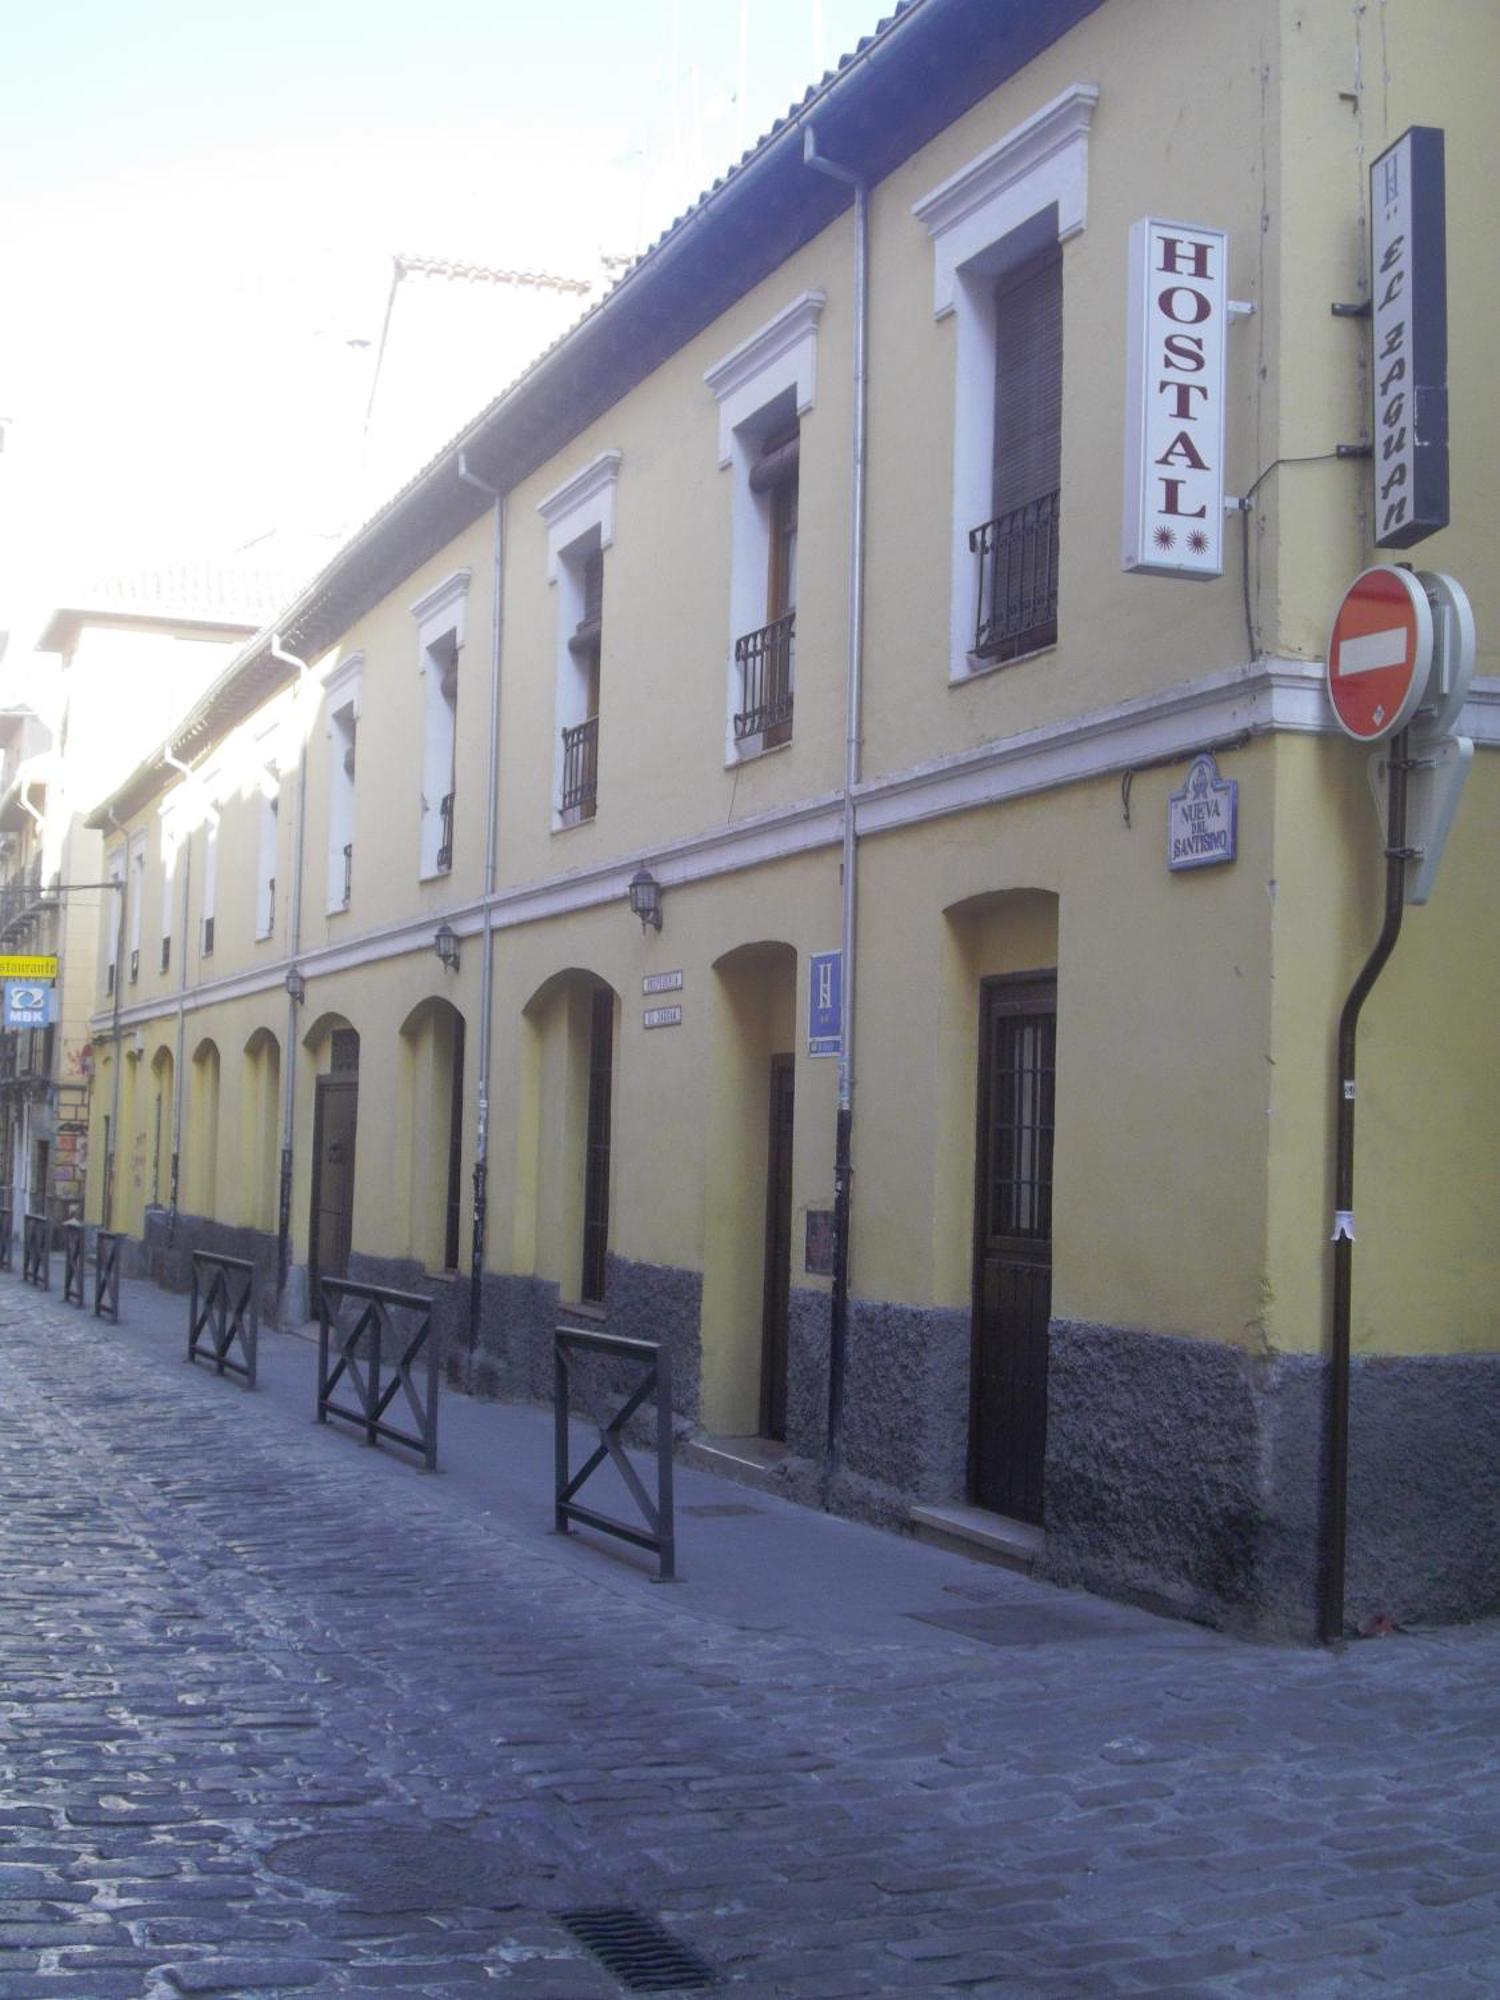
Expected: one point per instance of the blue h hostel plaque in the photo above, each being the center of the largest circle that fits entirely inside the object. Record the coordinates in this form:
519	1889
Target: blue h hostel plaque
825	1002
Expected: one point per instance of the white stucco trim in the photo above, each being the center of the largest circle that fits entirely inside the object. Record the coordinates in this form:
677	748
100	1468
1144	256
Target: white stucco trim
341	683
431	609
1267	697
781	355
581	504
1044	160
1041	166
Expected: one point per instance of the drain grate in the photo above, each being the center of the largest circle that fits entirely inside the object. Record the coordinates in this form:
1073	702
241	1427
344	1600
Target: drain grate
720	1510
640	1954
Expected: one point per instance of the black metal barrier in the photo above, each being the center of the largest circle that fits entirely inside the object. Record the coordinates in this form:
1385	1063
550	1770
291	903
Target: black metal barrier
224	1309
375	1325
36	1257
7	1230
655	1363
75	1257
107	1274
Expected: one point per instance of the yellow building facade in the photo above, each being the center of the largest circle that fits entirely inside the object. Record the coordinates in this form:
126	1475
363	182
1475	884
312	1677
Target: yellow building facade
786	593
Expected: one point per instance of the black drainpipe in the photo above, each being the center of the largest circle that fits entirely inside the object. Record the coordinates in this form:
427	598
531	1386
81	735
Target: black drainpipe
1336	1493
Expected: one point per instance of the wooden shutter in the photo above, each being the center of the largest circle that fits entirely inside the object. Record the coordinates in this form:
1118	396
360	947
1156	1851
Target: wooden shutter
1028	384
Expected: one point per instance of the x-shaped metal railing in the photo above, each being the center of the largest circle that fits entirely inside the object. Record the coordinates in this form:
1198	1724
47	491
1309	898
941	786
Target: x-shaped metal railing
36	1256
75	1258
107	1274
374	1350
654	1360
224	1311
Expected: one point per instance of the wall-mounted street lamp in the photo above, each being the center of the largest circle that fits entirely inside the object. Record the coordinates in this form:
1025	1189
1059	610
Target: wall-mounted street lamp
645	898
445	944
296	985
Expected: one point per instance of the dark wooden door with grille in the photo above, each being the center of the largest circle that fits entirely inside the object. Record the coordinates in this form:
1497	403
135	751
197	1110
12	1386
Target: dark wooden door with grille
777	1289
1013	1244
335	1119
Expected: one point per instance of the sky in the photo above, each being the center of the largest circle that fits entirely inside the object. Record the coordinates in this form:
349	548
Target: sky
199	204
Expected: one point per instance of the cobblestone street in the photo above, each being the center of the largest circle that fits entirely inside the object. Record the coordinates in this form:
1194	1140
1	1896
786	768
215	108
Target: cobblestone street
246	1661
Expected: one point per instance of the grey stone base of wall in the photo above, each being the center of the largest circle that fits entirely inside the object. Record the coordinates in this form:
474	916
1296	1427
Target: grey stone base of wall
166	1253
512	1357
1189	1476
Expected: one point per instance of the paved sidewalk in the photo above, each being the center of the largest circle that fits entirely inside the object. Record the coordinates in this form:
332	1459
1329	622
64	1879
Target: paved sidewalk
279	1713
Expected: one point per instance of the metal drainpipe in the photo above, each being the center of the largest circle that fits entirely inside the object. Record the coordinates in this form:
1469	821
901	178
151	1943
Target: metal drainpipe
106	1206
288	1096
178	1092
1336	1496
843	1171
486	968
27	805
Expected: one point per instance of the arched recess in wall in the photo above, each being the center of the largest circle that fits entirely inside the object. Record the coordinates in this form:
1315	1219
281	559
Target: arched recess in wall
201	1168
430	1124
569	1036
260	1131
748	1192
160	1129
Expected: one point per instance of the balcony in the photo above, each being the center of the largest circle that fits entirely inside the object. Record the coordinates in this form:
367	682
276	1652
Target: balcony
444	859
763	660
580	781
208	937
1017	581
166	953
135	965
348	873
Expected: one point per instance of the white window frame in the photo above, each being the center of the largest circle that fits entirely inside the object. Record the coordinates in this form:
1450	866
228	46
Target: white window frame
137	893
758	384
341	692
982	220
119	872
441	615
580	518
267	843
210	879
169	847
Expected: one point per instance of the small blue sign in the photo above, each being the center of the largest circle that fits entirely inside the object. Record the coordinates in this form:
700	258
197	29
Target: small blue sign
29	1004
825	1004
1203	818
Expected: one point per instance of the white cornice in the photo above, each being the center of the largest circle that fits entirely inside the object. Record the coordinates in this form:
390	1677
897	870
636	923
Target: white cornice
781	354
1043	161
441	596
585	501
1269	697
581	488
342	677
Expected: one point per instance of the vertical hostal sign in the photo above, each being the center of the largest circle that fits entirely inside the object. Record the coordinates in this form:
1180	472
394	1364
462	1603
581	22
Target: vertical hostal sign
1409	378
1174	399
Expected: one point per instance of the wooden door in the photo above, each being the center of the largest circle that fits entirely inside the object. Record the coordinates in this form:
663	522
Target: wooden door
1013	1244
333	1180
776	1292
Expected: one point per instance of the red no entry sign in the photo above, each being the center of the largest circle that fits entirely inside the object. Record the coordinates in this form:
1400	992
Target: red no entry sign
1380	653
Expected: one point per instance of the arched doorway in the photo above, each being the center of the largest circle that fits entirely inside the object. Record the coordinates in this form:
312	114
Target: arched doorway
260	1129
335	1047
748	1231
1006	956
565	1132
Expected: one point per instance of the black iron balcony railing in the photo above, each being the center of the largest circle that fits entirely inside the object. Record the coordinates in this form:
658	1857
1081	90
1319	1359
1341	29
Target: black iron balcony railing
208	937
348	871
166	953
135	965
764	662
270	923
109	981
445	834
1017	581
580	778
